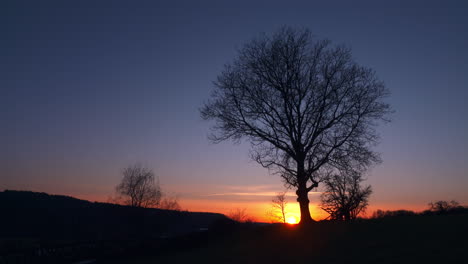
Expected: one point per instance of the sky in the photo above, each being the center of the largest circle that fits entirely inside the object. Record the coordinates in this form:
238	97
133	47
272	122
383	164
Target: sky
90	87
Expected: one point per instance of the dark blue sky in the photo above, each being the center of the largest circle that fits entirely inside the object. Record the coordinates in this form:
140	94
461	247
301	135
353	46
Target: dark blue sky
88	88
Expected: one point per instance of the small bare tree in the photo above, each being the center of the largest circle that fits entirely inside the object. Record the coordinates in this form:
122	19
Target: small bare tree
170	203
344	197
139	188
240	215
279	205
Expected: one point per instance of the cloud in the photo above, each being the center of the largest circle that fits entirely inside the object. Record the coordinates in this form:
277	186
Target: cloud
232	193
245	194
270	194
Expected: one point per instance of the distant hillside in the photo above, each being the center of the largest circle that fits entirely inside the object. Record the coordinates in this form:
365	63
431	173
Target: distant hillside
35	215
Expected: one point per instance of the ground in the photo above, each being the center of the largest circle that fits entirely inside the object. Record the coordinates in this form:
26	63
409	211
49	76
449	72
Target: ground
412	239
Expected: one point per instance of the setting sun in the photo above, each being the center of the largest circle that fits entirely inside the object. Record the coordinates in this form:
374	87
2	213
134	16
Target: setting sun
291	220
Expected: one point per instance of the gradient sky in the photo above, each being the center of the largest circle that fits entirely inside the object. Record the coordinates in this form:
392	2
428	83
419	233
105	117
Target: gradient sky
88	88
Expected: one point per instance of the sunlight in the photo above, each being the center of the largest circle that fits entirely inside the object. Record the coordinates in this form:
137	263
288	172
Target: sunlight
291	220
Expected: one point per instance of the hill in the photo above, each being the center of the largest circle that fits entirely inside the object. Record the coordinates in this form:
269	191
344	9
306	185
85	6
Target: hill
42	228
39	215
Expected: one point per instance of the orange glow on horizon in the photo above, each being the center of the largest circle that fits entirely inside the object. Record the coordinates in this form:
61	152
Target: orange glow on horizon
258	210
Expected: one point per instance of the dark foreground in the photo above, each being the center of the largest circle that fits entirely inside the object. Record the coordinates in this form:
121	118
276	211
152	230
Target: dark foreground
40	228
413	239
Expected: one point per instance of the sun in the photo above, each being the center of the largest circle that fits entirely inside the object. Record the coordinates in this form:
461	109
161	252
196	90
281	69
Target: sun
291	220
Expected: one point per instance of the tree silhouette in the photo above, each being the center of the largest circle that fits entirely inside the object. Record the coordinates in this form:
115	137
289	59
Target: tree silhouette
279	205
344	198
169	203
304	105
240	215
139	188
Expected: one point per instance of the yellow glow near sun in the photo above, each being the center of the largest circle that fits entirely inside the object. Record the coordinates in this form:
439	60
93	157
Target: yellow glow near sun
291	220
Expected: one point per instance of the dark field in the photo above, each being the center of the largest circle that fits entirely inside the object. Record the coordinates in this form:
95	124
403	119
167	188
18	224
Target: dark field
412	239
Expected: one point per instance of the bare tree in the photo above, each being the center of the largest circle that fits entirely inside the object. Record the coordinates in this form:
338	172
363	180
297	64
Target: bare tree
304	105
240	215
279	205
344	197
139	188
170	203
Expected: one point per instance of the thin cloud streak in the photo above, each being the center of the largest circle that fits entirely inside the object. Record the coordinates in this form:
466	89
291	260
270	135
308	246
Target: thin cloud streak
255	194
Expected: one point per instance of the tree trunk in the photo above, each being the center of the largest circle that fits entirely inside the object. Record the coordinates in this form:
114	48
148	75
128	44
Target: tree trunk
303	200
347	215
302	195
